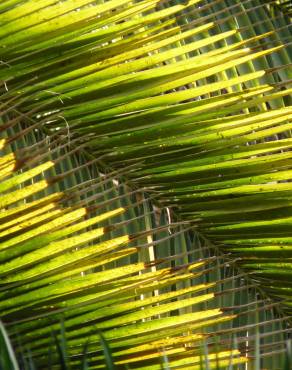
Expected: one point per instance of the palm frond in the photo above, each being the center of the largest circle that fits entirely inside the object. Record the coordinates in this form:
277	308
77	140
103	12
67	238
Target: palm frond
101	100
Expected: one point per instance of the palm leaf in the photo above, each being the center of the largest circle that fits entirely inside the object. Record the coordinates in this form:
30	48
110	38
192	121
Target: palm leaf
128	100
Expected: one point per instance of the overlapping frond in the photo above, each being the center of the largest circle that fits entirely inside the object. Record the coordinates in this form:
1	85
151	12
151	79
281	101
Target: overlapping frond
82	258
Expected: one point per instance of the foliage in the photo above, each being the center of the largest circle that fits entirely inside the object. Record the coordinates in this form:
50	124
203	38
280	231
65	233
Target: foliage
105	107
